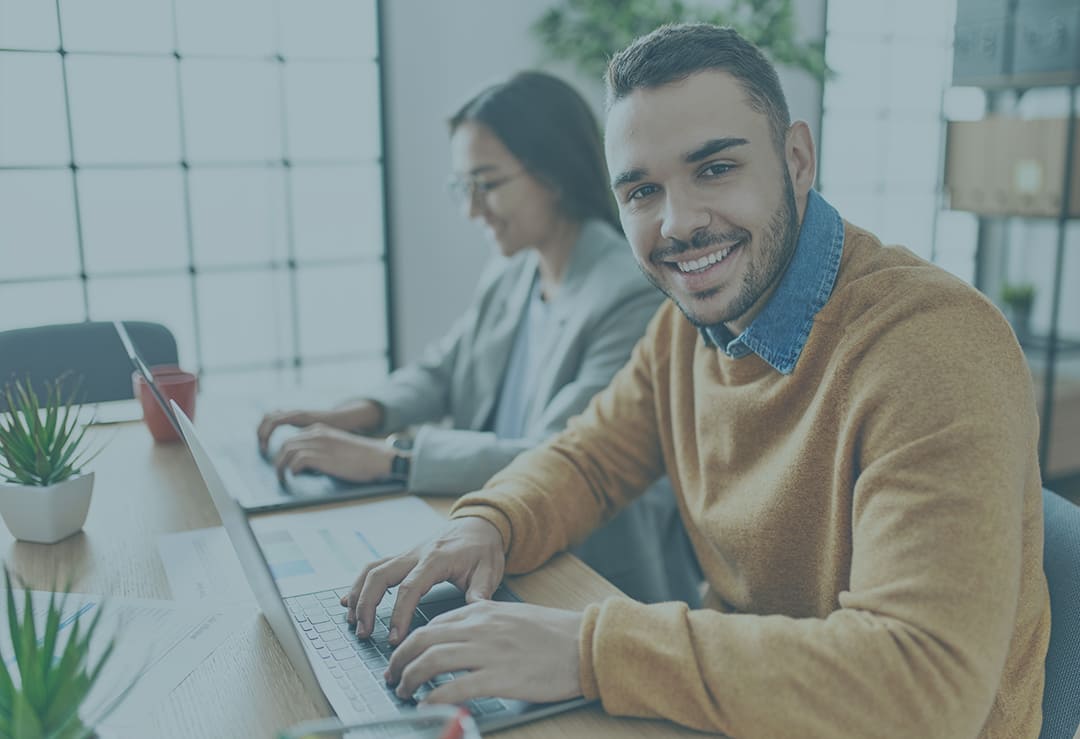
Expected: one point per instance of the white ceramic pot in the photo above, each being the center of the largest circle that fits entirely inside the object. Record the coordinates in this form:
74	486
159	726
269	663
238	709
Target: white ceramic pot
46	515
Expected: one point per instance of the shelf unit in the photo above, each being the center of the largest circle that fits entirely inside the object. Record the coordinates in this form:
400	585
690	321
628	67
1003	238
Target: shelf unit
1010	47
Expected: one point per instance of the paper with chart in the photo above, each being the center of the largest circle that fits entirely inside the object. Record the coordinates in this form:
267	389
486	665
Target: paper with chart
307	550
159	641
202	565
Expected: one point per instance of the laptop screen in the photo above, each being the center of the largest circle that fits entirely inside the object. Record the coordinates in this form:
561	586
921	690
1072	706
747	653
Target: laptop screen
251	557
144	371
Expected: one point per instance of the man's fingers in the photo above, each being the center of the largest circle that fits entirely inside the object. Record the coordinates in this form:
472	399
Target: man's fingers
435	660
380	578
420	642
349	601
427	573
484	581
463	688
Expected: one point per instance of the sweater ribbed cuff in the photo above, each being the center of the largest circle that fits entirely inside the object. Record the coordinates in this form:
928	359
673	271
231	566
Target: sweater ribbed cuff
589	687
494	516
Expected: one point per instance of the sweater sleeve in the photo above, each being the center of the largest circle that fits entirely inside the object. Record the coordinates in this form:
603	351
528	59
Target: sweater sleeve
553	496
917	643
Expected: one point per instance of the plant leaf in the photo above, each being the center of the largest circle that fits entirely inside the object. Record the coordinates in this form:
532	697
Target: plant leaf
115	702
7	692
33	681
48	646
52	690
74	687
71	684
13	617
25	724
42	452
66	703
69	659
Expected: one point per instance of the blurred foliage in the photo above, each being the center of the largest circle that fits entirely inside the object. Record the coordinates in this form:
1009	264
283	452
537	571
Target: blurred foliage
1019	296
589	32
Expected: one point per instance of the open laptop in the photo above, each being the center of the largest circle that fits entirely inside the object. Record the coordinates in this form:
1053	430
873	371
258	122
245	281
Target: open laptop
341	671
259	488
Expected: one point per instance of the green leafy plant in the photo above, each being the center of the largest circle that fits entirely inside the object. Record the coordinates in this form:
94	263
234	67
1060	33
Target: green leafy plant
1019	296
41	443
590	32
53	681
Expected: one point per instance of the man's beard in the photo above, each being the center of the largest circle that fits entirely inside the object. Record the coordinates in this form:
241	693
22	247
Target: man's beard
779	241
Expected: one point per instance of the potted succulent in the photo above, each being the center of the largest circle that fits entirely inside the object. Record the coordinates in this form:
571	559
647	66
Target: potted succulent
44	493
1018	299
54	674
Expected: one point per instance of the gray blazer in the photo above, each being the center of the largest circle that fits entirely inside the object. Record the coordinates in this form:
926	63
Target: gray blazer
600	312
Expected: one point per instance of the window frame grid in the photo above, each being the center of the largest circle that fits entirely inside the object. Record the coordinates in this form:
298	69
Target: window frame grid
887	41
294	361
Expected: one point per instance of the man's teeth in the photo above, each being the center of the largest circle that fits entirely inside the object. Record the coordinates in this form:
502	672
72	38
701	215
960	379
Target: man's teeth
695	265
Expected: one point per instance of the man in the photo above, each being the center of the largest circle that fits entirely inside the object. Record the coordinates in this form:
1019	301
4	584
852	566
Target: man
851	437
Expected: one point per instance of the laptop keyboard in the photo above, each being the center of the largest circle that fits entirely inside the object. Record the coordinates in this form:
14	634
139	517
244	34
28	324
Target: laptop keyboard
259	472
358	664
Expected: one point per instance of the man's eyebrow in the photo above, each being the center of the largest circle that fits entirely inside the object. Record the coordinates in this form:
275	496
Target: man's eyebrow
628	177
704	151
713	146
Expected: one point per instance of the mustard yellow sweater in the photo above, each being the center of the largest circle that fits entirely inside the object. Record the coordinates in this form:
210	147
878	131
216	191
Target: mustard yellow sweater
870	526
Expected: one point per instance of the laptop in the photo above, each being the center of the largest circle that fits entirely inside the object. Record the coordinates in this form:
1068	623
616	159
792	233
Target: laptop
259	488
341	671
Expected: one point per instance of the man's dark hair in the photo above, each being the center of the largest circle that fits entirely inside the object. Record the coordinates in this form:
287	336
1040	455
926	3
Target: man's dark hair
674	52
552	131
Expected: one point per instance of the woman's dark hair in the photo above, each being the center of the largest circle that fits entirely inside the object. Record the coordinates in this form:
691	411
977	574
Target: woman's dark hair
552	131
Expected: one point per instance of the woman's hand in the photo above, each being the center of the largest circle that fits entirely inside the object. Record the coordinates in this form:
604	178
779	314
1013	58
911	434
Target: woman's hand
274	419
323	448
360	416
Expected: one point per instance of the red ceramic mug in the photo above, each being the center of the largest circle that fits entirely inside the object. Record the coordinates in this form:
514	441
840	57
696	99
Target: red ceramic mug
175	384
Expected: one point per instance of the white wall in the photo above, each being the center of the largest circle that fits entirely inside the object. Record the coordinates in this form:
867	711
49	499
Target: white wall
436	55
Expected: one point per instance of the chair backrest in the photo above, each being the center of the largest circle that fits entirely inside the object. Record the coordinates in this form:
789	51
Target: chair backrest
1061	560
90	350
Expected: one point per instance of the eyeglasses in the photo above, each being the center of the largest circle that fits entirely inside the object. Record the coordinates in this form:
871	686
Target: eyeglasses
464	189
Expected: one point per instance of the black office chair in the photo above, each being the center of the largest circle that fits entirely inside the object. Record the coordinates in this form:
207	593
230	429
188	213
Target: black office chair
88	352
1061	561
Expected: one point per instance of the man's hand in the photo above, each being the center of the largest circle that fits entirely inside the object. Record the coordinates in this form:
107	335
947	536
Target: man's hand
322	448
512	650
468	553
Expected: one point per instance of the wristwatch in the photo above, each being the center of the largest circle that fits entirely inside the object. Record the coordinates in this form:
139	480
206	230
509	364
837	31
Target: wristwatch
402	461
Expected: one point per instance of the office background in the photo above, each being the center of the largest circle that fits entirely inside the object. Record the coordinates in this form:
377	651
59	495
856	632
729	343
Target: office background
268	178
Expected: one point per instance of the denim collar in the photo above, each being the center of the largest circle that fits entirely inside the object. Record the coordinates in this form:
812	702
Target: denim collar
779	333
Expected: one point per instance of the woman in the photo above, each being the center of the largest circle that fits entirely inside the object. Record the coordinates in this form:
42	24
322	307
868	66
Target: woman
548	328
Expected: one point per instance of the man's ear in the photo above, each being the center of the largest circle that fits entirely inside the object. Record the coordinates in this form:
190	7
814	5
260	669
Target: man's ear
800	158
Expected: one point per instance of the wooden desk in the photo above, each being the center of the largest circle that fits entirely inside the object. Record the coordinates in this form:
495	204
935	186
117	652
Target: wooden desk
247	688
